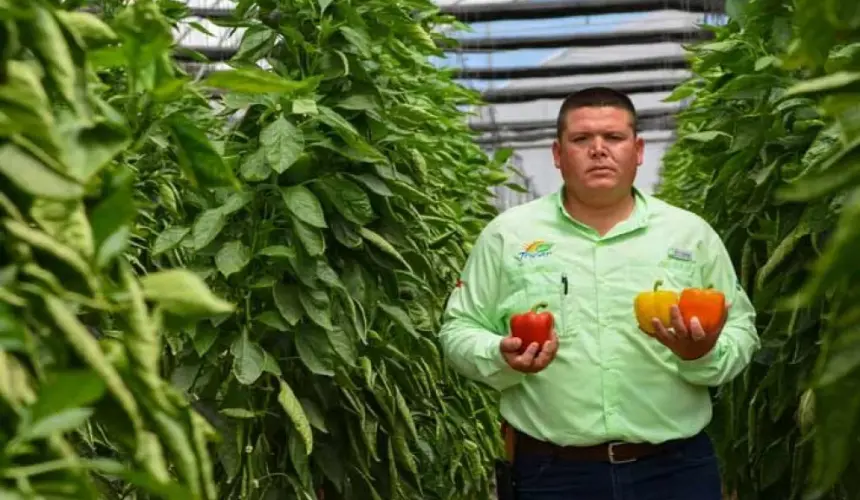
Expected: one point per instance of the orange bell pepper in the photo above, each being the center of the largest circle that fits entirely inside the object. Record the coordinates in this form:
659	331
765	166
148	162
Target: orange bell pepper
654	304
707	304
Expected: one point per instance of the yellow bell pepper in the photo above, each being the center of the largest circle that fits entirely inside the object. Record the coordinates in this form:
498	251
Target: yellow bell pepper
654	304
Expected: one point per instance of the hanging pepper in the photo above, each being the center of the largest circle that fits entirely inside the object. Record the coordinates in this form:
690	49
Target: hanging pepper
532	326
654	304
708	304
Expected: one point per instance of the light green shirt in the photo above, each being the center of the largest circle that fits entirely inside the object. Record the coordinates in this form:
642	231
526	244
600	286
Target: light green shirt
609	381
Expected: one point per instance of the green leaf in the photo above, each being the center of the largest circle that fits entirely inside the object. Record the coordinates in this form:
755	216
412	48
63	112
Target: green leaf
358	38
34	177
317	306
183	293
315	351
200	161
207	227
87	149
255	167
278	251
67	390
57	423
113	214
255	81
270	365
304	205
337	122
349	199
273	320
169	239
287	301
65	222
283	144
312	238
400	317
93	31
374	183
823	84
241	413
383	245
293	408
314	414
358	102
346	233
343	345
232	258
46	40
708	136
248	359
305	107
256	42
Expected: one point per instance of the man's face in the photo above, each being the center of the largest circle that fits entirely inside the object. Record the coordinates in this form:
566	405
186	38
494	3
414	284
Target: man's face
598	153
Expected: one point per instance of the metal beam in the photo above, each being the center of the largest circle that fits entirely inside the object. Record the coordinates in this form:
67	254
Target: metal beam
522	125
666	122
538	9
674	61
674	34
213	53
668	62
211	12
562	90
545	9
650	137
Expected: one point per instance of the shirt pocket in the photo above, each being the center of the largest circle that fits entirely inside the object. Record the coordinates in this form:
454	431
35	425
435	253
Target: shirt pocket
680	274
548	287
675	275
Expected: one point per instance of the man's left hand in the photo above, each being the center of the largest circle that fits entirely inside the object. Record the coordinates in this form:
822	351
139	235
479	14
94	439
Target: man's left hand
687	344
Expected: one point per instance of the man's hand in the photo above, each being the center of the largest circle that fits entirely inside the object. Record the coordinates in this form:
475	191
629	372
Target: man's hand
687	344
534	359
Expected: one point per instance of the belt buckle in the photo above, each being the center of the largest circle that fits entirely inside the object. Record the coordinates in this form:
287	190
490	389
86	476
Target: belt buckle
612	458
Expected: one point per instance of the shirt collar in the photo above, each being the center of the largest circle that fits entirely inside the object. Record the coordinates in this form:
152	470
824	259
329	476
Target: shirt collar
638	219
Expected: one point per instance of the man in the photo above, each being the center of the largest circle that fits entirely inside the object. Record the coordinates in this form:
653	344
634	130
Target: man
603	411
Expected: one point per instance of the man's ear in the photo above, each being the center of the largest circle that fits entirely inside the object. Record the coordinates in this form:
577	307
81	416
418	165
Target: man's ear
556	153
640	149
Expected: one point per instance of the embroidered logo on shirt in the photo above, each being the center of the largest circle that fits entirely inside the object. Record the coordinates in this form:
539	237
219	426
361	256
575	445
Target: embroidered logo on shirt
535	249
679	254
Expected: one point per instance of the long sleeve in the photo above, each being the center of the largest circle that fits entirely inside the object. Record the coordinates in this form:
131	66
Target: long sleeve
471	326
739	339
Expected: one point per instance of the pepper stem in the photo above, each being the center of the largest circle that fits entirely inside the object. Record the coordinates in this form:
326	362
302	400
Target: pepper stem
540	305
710	286
657	284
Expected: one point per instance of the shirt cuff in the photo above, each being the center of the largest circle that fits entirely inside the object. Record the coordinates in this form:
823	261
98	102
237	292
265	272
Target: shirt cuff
701	369
498	372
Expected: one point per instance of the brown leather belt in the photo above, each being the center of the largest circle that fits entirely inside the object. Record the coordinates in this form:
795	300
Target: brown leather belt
614	453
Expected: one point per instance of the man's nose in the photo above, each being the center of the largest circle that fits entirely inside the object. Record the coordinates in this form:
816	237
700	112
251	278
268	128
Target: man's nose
597	147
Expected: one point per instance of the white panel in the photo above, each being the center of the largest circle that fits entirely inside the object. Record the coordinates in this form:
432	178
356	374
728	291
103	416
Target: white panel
547	109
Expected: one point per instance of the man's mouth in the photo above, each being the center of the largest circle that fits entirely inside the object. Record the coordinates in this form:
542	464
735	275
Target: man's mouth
601	168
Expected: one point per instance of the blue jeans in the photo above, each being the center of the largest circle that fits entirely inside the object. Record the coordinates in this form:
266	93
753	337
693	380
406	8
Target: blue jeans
688	472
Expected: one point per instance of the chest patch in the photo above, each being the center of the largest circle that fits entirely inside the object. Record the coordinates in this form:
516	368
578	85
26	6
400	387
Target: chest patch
680	254
536	249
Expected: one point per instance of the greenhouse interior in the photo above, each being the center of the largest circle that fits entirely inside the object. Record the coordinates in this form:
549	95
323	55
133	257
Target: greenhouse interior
225	222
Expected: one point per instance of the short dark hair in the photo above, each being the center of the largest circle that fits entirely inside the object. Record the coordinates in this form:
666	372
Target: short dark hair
594	97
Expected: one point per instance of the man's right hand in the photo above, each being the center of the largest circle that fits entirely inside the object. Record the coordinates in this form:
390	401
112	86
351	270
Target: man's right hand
534	359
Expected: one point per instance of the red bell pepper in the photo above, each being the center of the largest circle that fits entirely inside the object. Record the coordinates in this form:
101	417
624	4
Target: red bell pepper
532	326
